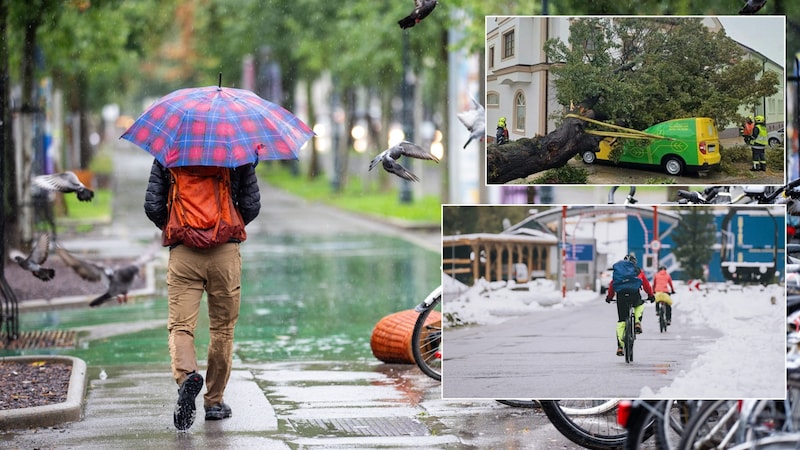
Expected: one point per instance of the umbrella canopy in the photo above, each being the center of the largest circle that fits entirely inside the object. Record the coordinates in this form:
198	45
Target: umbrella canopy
212	126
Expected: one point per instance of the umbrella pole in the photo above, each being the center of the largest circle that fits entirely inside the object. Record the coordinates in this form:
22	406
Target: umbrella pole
220	80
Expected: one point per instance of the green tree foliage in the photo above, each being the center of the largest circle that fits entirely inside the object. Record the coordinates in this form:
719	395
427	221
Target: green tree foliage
642	71
480	219
693	240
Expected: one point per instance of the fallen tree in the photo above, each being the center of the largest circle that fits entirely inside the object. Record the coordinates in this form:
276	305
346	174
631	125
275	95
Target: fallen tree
526	156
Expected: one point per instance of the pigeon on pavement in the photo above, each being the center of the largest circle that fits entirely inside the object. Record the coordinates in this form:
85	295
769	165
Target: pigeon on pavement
421	10
475	121
64	182
389	158
33	261
119	279
752	6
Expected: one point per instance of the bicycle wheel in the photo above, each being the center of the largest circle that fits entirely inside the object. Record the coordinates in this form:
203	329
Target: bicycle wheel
785	441
675	414
598	430
426	341
629	338
662	319
640	424
712	427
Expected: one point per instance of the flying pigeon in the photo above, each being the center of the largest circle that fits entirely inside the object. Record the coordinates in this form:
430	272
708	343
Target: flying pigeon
64	182
421	10
119	279
475	121
389	158
33	262
752	6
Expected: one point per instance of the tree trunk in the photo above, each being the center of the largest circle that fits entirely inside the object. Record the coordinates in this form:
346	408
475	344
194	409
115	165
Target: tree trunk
314	166
27	111
521	158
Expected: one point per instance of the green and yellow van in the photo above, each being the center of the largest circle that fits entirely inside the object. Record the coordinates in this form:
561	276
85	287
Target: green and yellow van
690	145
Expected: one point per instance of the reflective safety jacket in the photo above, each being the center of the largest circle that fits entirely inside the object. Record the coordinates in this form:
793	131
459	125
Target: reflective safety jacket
760	133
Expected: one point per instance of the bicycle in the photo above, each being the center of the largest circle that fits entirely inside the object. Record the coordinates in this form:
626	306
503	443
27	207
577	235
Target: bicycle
750	194
662	315
751	423
669	417
629	199
589	423
630	336
426	339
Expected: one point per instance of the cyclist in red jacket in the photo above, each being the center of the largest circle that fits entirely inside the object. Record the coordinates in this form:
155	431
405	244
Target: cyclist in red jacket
629	295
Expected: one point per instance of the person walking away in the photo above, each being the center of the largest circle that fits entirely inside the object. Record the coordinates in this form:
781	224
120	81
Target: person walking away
747	130
625	282
662	287
758	145
202	212
501	136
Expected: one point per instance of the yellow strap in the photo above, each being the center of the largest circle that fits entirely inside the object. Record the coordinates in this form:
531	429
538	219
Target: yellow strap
641	134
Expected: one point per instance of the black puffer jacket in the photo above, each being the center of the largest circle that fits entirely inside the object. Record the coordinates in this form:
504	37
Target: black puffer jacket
244	187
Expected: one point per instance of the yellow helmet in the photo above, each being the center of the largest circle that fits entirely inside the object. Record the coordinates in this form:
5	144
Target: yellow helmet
759	119
501	122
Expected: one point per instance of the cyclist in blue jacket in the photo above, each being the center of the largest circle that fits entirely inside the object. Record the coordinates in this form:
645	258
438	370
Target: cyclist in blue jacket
629	279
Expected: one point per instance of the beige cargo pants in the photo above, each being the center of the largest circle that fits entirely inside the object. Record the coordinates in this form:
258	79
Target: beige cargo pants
218	272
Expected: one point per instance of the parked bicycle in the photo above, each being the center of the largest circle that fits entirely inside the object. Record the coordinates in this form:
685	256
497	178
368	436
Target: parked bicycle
667	417
589	423
426	339
749	194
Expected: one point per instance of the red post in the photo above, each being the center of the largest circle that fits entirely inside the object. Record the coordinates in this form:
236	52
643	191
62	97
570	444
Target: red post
563	251
656	235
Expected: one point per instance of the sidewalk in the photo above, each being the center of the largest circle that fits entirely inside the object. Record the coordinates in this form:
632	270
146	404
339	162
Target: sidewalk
304	404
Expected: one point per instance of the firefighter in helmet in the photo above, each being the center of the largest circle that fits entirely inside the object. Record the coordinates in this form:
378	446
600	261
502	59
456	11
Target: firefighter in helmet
758	144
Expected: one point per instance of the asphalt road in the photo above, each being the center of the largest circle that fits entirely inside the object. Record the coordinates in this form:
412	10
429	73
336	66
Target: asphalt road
566	353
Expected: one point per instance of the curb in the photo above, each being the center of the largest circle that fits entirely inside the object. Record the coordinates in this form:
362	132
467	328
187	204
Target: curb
70	410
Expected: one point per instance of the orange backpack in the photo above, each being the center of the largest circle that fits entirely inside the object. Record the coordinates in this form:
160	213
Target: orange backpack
201	213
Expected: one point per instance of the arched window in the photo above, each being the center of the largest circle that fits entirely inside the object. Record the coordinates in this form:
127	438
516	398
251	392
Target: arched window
519	112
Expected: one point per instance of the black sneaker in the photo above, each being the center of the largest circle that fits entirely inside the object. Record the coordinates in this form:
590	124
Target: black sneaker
620	352
184	413
218	411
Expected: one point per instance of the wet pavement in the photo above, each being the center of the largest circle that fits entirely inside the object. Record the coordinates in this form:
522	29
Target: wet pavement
293	386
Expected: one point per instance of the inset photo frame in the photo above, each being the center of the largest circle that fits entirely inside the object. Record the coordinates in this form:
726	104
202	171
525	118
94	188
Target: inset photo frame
537	300
635	99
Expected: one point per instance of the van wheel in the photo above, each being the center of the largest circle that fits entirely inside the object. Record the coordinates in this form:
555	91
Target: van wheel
589	157
673	165
774	142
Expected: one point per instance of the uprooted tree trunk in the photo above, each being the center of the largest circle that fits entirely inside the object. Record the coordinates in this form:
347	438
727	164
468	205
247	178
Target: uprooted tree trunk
524	157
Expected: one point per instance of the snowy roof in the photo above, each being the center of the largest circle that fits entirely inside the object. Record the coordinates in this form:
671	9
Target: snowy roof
491	237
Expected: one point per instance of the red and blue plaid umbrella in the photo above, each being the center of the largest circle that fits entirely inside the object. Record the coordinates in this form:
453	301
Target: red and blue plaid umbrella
212	126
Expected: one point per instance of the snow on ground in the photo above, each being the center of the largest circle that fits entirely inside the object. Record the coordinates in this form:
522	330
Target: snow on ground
469	305
747	318
744	316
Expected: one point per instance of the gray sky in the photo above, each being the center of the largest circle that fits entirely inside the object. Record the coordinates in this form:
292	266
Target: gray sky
765	34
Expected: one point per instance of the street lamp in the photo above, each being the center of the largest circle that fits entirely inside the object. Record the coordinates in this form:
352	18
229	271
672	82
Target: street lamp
407	95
